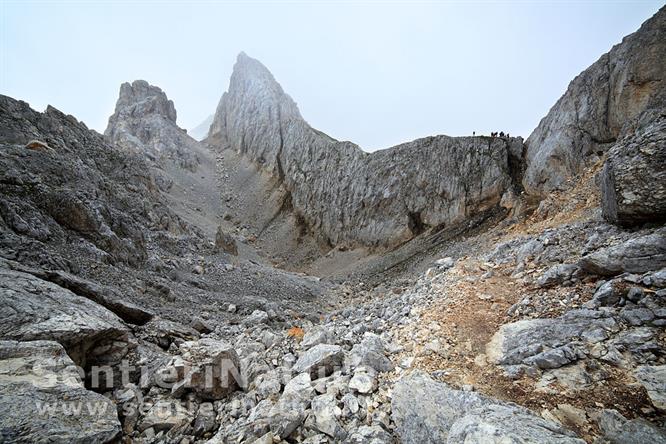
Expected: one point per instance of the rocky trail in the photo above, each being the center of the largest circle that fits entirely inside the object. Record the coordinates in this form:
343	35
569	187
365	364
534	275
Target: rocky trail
271	284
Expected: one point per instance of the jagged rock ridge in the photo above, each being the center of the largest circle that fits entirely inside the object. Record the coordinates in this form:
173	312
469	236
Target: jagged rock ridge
349	196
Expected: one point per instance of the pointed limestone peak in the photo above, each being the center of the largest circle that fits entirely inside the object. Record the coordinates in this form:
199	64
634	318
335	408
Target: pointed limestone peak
254	97
139	99
251	76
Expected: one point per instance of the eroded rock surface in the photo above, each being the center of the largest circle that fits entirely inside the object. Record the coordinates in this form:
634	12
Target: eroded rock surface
42	398
633	181
601	106
349	196
561	312
427	411
34	309
145	122
637	255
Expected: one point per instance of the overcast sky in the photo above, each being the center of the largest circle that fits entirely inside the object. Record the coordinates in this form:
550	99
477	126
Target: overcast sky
376	73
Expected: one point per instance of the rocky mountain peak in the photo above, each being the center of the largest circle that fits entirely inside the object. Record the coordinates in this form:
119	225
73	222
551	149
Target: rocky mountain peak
251	76
253	91
140	98
145	122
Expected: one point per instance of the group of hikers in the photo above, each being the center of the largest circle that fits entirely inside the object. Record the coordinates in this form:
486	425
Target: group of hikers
495	134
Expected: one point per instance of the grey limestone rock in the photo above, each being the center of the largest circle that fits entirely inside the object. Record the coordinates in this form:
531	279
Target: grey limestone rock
427	411
164	415
40	391
370	435
507	424
317	335
34	309
321	360
325	411
599	107
617	429
370	352
207	367
549	342
633	181
288	413
653	378
608	294
225	242
144	122
349	196
557	274
636	255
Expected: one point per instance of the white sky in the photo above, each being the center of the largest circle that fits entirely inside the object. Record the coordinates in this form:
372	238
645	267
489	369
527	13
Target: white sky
377	73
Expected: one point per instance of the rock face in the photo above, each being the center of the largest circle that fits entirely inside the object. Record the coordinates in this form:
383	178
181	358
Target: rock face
88	237
549	343
633	181
349	196
40	391
617	429
34	309
426	411
145	122
600	106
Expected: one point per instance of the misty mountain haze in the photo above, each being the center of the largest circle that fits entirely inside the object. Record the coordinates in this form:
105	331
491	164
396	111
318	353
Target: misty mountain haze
200	131
393	73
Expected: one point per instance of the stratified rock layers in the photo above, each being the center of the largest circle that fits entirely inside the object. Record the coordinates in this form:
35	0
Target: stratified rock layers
349	196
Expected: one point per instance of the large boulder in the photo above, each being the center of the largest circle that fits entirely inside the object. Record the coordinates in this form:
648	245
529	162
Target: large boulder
508	425
427	411
33	309
326	411
103	295
289	412
164	332
165	415
636	255
42	398
633	181
321	360
549	342
370	352
616	429
424	410
207	367
225	242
